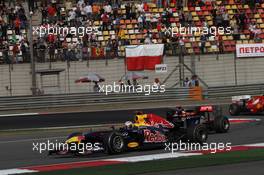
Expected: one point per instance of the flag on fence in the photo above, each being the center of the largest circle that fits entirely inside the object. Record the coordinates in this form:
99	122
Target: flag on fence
97	52
143	57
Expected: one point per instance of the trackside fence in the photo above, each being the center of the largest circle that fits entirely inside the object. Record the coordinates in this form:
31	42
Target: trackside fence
86	99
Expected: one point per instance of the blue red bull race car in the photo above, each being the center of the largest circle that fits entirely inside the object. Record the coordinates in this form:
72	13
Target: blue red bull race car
146	132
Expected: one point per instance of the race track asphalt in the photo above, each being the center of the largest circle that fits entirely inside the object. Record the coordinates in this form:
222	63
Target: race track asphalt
75	119
16	151
71	119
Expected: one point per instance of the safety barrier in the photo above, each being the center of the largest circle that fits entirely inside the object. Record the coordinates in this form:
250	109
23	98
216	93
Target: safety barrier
84	99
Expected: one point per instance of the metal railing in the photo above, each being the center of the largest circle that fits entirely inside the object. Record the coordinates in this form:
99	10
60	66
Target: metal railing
228	91
85	99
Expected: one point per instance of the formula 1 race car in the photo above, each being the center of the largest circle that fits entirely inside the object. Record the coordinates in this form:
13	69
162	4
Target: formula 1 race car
246	104
146	132
209	116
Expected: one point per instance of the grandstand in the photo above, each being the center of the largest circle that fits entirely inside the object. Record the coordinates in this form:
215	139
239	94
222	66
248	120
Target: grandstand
116	24
132	23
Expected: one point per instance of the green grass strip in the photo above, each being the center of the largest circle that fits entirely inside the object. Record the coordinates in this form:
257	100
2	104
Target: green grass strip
167	164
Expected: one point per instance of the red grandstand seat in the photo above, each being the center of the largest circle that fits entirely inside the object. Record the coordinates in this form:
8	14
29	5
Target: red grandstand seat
206	13
204	8
122	21
209	8
191	8
197	50
172	20
139	36
239	6
134	21
229	48
174	10
246	32
232	42
123	26
198	24
227	43
233	48
231	2
261	36
200	13
195	44
248	11
208	3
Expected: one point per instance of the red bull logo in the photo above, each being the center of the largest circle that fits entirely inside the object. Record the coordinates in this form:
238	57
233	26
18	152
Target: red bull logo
154	137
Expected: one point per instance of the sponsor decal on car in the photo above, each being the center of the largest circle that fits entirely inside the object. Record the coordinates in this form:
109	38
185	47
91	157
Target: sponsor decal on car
153	136
206	108
133	144
155	120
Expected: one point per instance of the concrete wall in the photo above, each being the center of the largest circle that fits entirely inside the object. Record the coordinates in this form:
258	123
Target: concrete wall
215	72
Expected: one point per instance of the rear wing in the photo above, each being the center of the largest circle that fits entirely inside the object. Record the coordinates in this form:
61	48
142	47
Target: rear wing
216	109
241	97
208	108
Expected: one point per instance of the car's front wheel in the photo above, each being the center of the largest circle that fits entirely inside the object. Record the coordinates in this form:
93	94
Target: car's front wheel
115	143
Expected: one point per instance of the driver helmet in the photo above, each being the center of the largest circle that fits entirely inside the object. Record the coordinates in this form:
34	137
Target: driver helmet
128	124
138	113
179	111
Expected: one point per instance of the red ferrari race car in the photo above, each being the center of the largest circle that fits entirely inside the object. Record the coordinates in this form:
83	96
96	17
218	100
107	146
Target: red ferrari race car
246	104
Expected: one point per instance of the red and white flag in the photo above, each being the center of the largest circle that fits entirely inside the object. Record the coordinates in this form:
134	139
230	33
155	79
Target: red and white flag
143	57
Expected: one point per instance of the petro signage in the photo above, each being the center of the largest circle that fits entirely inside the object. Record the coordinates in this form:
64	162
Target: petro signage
250	50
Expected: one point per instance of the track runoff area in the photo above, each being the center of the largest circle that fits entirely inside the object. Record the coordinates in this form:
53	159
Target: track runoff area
243	143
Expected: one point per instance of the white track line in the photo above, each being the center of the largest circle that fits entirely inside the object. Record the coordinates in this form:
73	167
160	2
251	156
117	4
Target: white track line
153	157
255	144
244	119
19	114
16	171
123	159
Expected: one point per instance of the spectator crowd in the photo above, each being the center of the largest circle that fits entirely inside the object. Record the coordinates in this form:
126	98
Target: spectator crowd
110	16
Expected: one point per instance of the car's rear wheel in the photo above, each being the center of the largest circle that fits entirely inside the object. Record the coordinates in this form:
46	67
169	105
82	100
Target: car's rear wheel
221	124
197	134
115	143
234	109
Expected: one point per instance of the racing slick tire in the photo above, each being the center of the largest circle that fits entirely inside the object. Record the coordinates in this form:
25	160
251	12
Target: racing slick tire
234	109
115	143
197	134
221	124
